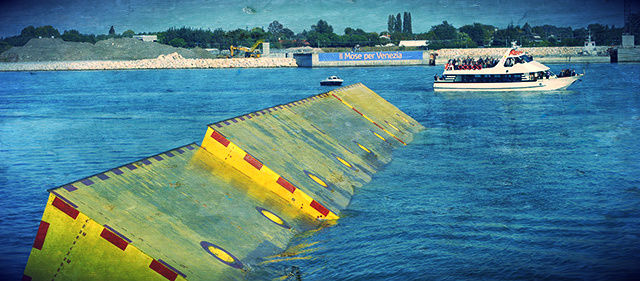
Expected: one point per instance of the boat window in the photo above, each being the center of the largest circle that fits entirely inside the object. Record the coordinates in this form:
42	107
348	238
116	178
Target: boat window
527	58
509	62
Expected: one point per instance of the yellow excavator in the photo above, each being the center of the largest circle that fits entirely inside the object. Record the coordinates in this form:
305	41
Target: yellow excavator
248	53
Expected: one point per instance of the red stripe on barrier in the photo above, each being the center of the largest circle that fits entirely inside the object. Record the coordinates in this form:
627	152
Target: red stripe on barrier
66	208
220	138
163	270
286	184
42	233
114	239
334	95
255	163
374	123
357	111
324	211
399	140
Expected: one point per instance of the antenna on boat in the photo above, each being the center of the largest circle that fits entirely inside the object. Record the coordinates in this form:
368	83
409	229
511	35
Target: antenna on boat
514	44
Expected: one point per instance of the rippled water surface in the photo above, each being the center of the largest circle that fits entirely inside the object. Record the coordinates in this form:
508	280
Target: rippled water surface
502	186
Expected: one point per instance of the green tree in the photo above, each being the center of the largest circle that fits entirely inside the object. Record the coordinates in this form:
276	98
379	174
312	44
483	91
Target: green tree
112	31
28	32
504	37
129	33
443	31
275	27
258	33
239	37
177	42
72	36
406	23
391	23
219	39
480	34
47	31
397	27
4	46
322	27
288	33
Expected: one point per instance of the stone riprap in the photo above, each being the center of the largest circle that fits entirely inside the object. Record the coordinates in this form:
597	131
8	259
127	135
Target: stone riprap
171	61
539	53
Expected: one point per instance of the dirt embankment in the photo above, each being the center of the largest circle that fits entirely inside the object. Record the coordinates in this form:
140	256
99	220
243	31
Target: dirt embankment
117	54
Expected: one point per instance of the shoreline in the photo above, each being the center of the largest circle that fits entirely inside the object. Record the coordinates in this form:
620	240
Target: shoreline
216	64
171	61
176	61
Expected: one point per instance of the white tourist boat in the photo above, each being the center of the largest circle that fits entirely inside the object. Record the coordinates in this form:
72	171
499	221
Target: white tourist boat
332	81
514	71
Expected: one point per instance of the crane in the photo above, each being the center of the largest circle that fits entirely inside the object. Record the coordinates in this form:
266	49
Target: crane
248	53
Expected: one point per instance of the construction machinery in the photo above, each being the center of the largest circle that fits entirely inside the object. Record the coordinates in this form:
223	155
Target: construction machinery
248	53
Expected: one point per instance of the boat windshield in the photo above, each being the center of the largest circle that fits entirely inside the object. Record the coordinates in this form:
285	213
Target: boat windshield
527	58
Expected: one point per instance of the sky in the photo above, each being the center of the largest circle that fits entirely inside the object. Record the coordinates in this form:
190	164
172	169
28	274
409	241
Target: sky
97	16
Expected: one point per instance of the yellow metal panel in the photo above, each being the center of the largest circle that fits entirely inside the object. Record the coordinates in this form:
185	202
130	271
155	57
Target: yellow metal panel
73	249
379	111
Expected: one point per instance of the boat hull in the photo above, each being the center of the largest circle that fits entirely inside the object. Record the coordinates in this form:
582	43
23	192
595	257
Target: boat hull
559	83
331	83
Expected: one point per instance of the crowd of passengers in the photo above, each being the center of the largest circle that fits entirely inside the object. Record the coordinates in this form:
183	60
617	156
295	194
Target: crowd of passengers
471	63
567	73
487	62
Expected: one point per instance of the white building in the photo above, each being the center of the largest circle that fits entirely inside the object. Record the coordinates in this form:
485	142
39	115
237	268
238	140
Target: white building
146	38
413	43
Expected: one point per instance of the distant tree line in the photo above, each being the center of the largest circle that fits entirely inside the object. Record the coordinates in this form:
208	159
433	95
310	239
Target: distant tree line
49	31
321	34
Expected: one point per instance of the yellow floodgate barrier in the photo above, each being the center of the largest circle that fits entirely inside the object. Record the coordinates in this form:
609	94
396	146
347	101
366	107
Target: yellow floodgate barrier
209	212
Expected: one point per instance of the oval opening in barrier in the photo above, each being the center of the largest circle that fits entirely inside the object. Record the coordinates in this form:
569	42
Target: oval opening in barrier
273	217
221	254
392	126
379	136
363	147
344	162
404	119
317	179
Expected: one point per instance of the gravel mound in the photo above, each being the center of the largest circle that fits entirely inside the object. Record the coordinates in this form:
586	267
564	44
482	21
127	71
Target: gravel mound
48	49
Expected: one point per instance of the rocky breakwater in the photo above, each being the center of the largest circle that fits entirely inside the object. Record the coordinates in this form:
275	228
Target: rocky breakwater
171	61
542	54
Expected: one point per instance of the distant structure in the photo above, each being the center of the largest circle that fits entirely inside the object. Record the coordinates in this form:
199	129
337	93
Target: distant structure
413	43
628	41
590	45
146	38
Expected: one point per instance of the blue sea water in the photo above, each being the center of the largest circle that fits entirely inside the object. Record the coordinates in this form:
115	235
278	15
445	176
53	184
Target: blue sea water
501	186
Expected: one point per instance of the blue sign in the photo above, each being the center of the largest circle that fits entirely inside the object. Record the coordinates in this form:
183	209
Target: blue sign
370	56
